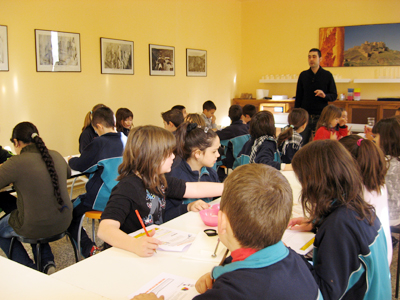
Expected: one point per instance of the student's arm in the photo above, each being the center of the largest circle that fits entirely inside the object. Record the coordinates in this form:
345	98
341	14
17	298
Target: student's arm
204	283
203	189
322	134
300	224
110	232
8	173
89	157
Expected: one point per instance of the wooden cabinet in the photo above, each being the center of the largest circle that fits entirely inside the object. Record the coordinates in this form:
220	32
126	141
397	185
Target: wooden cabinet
357	111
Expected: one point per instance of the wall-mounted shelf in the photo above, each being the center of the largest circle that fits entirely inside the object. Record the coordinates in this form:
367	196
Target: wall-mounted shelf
344	80
376	80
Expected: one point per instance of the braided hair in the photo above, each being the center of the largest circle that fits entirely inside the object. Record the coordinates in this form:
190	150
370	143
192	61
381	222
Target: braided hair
27	133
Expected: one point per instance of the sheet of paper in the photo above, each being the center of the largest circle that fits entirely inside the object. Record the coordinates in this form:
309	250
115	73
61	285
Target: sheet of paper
170	286
299	241
203	247
172	240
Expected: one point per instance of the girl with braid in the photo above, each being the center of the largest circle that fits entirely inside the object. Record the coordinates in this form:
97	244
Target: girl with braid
43	207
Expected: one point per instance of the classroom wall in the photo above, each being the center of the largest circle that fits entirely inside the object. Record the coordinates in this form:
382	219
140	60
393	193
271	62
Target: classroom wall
277	35
58	102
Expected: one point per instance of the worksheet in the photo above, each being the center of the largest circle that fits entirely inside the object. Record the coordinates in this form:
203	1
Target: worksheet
299	241
172	240
170	286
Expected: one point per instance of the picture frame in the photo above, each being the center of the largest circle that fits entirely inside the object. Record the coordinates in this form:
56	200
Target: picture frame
162	60
4	48
57	51
360	45
196	63
116	56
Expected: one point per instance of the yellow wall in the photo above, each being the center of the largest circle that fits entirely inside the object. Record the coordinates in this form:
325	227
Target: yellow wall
57	102
245	40
277	35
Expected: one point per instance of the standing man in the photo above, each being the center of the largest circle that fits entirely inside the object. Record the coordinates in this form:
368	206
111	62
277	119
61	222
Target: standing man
315	88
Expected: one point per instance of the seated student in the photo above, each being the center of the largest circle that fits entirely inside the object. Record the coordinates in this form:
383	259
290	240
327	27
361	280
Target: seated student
198	149
88	134
262	147
124	119
331	125
100	159
290	140
142	186
209	109
371	161
249	111
7	202
256	206
195	118
237	127
172	119
43	207
350	253
182	109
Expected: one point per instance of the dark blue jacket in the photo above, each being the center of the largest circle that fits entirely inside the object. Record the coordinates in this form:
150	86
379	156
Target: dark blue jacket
237	128
176	207
275	272
265	154
86	137
100	159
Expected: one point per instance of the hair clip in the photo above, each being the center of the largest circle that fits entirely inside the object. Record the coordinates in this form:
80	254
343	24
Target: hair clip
33	135
359	142
291	126
190	127
205	129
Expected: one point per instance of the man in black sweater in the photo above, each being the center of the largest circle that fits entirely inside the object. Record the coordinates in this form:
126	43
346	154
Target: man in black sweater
315	88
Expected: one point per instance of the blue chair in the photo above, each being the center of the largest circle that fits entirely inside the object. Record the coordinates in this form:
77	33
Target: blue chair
236	144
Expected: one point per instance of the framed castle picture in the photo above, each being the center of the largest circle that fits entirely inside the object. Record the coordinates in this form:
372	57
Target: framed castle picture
116	56
364	45
162	60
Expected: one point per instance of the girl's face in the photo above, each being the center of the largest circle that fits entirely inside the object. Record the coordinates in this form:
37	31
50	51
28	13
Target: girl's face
127	123
344	117
166	164
208	157
334	122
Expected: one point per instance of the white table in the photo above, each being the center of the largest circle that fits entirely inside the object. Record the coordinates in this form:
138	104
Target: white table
20	282
116	273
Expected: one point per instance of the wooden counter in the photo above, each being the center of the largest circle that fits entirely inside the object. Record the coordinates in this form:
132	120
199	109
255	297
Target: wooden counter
357	111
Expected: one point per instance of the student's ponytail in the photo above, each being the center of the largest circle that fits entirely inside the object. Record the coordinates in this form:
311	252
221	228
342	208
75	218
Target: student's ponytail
28	133
297	118
88	118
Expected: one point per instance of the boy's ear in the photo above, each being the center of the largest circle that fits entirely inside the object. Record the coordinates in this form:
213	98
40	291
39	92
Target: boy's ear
222	222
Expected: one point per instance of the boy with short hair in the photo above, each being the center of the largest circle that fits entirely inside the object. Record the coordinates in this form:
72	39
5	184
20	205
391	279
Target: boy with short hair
100	159
256	206
249	111
182	109
209	109
172	119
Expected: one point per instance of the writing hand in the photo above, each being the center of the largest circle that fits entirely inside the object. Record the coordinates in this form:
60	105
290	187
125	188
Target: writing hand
145	246
319	93
150	296
204	283
301	224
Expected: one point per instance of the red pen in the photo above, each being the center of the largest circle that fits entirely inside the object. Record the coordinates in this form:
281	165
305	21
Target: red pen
144	227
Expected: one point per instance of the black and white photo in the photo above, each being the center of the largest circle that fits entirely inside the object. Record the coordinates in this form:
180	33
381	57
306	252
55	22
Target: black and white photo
162	60
196	63
3	48
116	56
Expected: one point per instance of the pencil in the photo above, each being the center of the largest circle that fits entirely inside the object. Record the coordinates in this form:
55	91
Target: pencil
144	227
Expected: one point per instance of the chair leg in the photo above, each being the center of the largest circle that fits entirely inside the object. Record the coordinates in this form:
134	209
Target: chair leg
397	275
38	257
79	235
93	233
73	246
11	247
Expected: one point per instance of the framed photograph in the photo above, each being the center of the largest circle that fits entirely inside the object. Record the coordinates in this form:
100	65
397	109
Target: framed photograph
364	45
116	56
162	60
57	51
196	63
3	48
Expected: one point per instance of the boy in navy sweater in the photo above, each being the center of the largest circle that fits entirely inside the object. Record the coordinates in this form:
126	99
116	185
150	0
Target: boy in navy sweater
100	159
260	265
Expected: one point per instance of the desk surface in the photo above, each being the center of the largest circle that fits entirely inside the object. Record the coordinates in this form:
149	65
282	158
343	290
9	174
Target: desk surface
20	282
116	273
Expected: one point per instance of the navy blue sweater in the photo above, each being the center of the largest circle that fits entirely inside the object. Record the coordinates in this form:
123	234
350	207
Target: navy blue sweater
265	153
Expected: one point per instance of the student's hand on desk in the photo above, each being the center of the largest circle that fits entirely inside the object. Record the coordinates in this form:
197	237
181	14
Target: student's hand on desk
204	283
301	224
150	296
197	206
146	246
